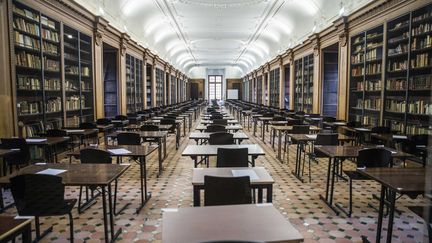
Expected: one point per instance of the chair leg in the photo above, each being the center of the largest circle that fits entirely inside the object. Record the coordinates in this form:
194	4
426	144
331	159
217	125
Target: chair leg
310	171
71	227
350	198
37	227
79	199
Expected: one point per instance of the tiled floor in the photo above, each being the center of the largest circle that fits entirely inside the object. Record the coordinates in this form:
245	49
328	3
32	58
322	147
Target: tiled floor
298	202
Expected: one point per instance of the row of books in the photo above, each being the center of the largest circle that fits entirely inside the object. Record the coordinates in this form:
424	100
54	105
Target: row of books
372	45
53	104
47	22
423	28
29	108
52	84
370	120
401	48
423	82
423	107
26	13
395	105
51	65
25	26
395	125
374	68
26	41
396	84
357	58
420	43
28	83
50	35
400	25
374	104
25	59
74	102
415	129
396	65
422	16
358	40
72	121
397	38
369	85
421	60
373	54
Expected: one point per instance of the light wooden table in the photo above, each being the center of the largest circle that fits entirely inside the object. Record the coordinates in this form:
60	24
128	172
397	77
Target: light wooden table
248	222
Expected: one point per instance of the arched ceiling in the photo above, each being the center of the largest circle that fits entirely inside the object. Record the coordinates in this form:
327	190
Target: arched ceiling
243	34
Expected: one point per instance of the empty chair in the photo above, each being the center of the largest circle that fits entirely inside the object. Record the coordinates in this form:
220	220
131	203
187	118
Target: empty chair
221	138
21	158
322	139
88	125
103	121
128	138
220	122
368	158
226	190
235	157
378	130
39	196
410	147
215	128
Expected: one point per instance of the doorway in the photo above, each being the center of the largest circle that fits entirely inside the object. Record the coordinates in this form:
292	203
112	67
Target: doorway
330	81
215	87
110	78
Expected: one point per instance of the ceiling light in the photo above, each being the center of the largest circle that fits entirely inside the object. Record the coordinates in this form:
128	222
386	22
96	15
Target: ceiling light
69	36
314	28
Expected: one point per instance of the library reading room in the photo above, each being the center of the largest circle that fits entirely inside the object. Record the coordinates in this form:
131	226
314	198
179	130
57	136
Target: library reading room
216	121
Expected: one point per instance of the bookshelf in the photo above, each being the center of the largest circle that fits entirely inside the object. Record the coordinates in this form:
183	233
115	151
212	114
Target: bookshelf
274	88
173	89
366	76
303	83
259	89
330	83
78	77
408	106
110	82
287	87
159	87
37	59
134	84
149	85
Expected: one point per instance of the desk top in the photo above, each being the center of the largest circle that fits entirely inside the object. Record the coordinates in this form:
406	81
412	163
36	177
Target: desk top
402	180
229	127
5	152
389	137
105	127
138	127
211	122
211	150
247	222
122	122
9	225
352	151
81	132
199	173
135	150
49	140
76	174
288	128
312	137
206	135
148	134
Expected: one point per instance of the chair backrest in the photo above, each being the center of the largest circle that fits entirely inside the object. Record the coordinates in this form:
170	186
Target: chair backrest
326	139
314	115
408	146
56	133
221	138
300	113
21	158
149	127
220	122
226	190
121	117
421	139
235	157
300	129
103	121
37	195
167	121
215	128
88	125
329	119
374	157
95	156
353	124
294	122
218	116
381	130
128	138
279	118
268	114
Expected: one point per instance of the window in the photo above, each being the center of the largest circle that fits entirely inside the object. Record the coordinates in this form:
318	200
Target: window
215	87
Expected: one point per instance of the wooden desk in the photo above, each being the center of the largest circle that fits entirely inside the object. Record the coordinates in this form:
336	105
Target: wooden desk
101	175
6	152
209	122
247	222
48	145
177	128
254	150
337	154
10	228
160	136
264	125
389	138
265	181
282	130
135	127
408	181
140	151
233	128
197	136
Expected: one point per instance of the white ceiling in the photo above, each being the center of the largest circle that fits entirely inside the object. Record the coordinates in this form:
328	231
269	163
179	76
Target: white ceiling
235	34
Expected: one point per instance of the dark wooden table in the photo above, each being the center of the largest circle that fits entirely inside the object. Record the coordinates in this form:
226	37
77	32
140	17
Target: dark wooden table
140	151
193	151
135	127
10	228
160	136
404	181
245	223
5	152
101	175
338	154
48	145
177	128
301	140
265	181
205	136
233	128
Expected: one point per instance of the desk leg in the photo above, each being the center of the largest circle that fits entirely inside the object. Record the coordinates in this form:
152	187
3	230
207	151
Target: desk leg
380	214
279	144
270	193
26	234
254	127
165	146
196	196
260	195
184	127
160	155
392	200
111	217
263	131
328	199
145	196
105	218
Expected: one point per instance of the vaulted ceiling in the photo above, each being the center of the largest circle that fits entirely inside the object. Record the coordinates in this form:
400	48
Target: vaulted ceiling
236	34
